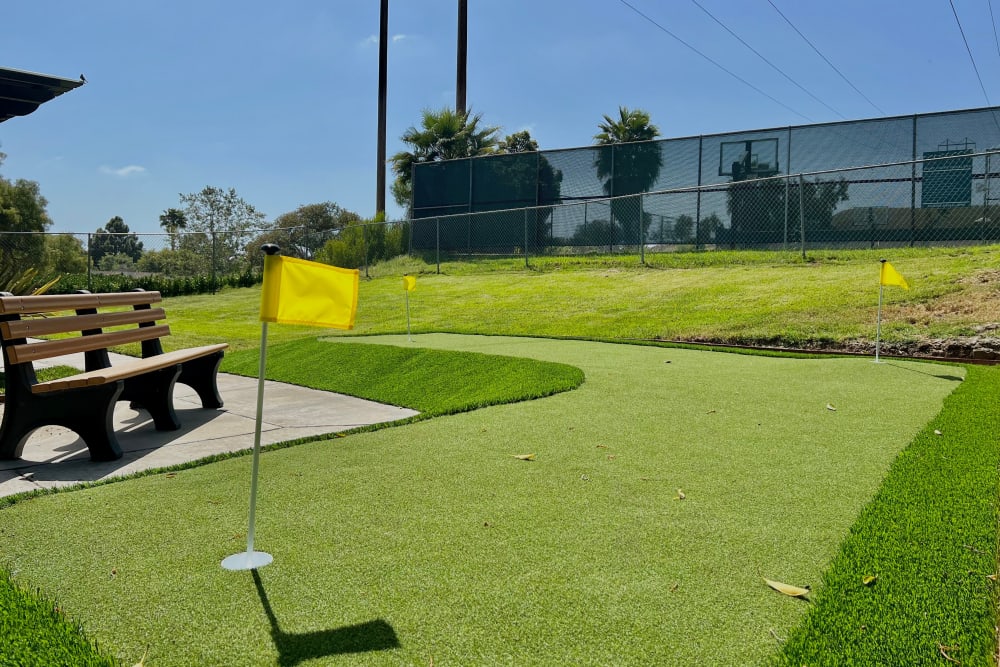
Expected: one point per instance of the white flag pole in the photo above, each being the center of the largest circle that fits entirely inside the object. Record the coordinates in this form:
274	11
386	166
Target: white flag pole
250	559
408	316
878	321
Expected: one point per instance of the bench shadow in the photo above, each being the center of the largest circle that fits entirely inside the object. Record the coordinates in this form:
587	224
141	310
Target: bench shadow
294	648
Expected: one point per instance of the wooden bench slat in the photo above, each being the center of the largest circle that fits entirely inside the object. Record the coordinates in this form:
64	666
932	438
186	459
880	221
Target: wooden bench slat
19	354
52	325
124	371
50	303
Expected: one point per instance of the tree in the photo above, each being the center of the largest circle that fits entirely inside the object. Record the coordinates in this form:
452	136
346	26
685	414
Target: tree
519	142
226	223
64	253
443	135
545	181
22	209
114	238
628	169
757	210
300	233
173	220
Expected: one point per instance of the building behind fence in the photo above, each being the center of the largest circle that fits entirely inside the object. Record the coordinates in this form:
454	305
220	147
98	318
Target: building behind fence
919	179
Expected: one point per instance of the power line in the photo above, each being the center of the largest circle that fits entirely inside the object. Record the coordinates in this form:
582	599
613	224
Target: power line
973	60
730	73
773	66
825	58
994	22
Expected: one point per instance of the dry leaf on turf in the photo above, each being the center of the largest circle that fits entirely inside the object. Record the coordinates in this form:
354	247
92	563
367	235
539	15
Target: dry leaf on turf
524	457
830	408
869	580
937	432
792	591
680	495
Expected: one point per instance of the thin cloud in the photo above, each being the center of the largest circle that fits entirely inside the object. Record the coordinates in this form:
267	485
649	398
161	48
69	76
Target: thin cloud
372	40
123	172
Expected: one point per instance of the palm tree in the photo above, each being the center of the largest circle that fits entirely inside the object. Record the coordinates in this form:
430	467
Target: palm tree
173	220
631	169
443	135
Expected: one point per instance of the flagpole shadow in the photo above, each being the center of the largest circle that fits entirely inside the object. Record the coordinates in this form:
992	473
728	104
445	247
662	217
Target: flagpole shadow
294	648
952	378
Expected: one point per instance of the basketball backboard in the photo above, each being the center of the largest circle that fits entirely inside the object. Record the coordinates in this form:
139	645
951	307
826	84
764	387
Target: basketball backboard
753	158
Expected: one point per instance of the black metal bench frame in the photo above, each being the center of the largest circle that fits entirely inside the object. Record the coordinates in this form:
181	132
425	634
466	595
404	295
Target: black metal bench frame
85	403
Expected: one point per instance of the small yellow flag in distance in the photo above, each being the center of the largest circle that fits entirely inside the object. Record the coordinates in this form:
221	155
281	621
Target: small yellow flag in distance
890	276
409	283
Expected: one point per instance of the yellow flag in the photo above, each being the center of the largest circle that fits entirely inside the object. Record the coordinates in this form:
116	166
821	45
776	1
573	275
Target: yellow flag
297	291
409	283
890	276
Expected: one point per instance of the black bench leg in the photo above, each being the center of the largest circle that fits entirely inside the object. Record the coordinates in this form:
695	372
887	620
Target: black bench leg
87	412
154	392
201	375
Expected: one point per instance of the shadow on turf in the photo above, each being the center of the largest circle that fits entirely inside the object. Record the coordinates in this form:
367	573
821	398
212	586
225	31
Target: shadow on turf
294	648
953	378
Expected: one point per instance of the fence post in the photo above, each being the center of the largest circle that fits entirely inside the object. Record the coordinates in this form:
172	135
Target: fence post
364	246
214	261
437	241
697	210
642	235
802	216
784	243
525	238
90	263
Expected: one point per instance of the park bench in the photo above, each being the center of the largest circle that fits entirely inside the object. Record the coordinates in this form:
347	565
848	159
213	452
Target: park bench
84	403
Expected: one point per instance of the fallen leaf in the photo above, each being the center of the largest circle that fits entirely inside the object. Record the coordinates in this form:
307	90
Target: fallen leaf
710	412
937	432
142	662
667	361
675	586
791	591
680	495
584	478
524	457
942	648
612	457
830	408
602	446
870	580
27	475
171	475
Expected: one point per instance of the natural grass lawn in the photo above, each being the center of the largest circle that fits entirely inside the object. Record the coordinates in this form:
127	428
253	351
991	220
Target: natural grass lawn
765	297
433	537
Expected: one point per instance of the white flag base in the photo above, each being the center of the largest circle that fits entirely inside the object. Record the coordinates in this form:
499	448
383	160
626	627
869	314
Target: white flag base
247	560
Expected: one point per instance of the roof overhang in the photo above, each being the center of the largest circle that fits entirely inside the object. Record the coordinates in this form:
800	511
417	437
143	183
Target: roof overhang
23	92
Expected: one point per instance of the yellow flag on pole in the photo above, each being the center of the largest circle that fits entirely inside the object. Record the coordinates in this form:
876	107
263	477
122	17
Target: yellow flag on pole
409	283
890	276
297	291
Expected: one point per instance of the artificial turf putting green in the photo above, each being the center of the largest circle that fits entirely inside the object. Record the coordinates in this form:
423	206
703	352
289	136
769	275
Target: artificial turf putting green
435	543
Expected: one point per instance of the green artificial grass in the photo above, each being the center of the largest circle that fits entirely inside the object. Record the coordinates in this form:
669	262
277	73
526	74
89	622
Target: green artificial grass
36	633
432	542
930	538
431	381
756	298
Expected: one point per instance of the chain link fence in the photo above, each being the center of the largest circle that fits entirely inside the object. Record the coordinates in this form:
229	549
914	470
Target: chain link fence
947	199
943	200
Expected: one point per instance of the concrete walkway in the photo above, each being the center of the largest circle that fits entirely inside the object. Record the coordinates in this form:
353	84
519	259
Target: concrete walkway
54	456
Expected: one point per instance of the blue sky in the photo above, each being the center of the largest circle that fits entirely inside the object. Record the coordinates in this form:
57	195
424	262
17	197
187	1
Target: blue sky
279	100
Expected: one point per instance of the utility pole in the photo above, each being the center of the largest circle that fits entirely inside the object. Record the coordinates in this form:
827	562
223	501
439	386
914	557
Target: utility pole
463	50
383	59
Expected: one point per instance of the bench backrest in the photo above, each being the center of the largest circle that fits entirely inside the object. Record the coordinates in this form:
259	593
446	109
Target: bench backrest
85	321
